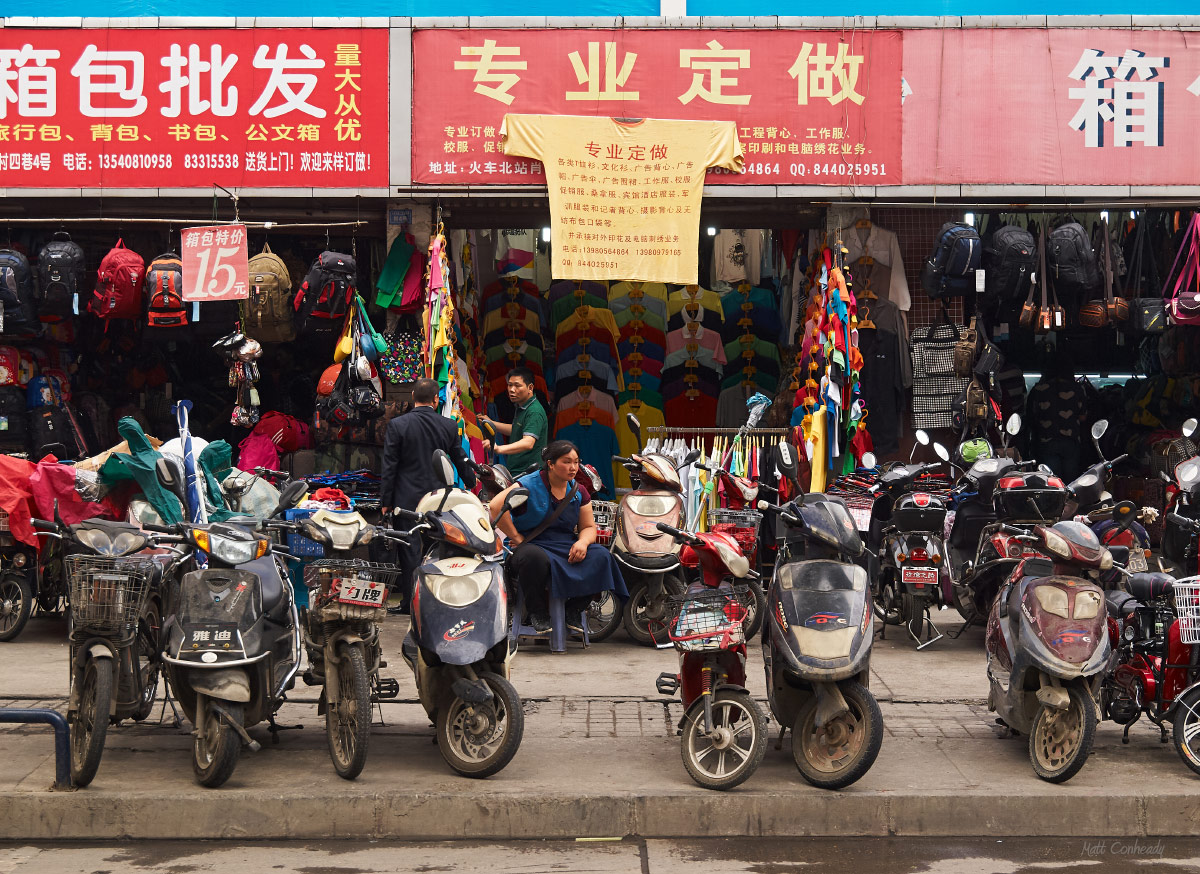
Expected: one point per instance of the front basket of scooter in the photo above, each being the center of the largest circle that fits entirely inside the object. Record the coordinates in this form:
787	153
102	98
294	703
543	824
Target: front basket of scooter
709	620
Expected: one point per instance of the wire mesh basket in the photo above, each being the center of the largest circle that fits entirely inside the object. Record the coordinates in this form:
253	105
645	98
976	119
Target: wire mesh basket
742	525
1187	608
107	593
3	521
708	620
605	514
350	588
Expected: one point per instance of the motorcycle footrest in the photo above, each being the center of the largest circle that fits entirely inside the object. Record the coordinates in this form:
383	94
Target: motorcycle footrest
387	687
667	684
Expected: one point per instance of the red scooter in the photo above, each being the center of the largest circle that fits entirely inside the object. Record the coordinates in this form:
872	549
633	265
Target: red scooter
724	730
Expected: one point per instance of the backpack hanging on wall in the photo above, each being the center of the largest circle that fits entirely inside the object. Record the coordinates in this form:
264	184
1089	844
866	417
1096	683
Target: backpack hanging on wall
267	314
324	298
17	305
60	275
1072	262
1009	261
164	292
118	293
950	270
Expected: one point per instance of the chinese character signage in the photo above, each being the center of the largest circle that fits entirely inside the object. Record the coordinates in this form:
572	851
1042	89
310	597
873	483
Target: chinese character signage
177	108
215	264
1062	107
817	107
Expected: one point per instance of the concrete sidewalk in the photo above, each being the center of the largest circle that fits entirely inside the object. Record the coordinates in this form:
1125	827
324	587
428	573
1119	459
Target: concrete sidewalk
599	759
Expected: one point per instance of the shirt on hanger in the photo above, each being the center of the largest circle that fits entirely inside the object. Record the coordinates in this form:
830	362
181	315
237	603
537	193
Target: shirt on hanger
882	245
562	308
640	308
510	315
515	352
737	256
648	376
586	316
590	337
749	342
516	332
731	406
514	252
648	417
597	444
693	294
704	356
599	408
708	319
886	316
696	334
691	409
630	316
649	350
704	381
524	298
509	285
592	350
600	373
646	290
649	397
568	287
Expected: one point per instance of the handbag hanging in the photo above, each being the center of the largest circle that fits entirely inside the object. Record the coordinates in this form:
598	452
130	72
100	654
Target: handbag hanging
1183	301
1118	307
345	344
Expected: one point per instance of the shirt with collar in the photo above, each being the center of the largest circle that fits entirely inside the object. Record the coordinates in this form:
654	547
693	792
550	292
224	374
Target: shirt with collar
601	408
699	336
601	373
882	245
689	295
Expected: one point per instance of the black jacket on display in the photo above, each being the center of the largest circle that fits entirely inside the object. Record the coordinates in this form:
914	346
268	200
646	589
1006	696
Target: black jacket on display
408	447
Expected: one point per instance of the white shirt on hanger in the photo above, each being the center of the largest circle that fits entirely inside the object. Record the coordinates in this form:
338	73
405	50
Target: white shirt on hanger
882	245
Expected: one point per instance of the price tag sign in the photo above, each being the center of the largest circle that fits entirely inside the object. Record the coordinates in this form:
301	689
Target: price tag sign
215	264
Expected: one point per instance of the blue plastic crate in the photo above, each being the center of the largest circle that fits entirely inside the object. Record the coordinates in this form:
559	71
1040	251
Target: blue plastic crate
298	544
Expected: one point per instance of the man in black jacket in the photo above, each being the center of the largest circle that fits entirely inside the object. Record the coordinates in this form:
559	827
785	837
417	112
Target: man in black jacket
408	471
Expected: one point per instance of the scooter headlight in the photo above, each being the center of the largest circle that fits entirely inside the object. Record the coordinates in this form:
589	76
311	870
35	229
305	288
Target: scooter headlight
230	550
1087	605
1053	600
458	591
1056	544
20	560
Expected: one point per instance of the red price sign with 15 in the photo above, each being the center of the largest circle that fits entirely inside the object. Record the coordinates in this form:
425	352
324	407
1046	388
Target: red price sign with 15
215	264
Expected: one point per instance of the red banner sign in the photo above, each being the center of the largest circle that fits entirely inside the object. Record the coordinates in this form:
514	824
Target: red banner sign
819	107
1051	107
215	263
182	108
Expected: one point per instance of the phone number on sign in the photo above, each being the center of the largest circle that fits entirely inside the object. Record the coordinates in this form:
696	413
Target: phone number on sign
134	162
211	162
817	169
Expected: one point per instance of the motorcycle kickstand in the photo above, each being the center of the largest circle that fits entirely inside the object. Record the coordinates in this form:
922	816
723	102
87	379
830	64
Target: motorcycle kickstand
779	740
955	635
176	722
275	728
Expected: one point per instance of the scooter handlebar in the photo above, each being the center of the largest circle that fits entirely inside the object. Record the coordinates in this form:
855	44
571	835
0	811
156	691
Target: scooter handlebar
43	525
1184	521
160	529
682	536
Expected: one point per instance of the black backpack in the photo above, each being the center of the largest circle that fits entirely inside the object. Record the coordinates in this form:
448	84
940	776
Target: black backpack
950	270
325	296
16	294
1071	261
60	271
14	426
49	426
1009	261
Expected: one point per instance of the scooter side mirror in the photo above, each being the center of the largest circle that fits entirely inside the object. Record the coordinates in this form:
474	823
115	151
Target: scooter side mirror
869	459
691	458
786	461
636	427
1189	427
443	467
941	451
1124	514
171	476
1098	428
514	500
1013	425
922	437
292	494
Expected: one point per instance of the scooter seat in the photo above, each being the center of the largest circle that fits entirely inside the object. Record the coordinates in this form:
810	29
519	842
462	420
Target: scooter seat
1120	604
269	581
648	561
1149	586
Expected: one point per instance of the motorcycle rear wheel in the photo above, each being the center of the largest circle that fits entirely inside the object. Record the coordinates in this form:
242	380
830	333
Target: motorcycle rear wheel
1060	741
645	629
147	661
348	723
461	733
757	609
16	603
1186	728
217	745
604	616
846	748
740	721
89	722
886	603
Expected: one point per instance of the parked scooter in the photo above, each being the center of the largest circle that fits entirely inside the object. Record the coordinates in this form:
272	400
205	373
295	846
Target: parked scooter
1180	541
116	593
649	560
232	634
817	642
29	577
907	525
1154	625
1047	643
347	602
459	647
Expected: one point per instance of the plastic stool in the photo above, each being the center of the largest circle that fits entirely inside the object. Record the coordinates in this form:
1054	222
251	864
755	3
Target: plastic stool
558	622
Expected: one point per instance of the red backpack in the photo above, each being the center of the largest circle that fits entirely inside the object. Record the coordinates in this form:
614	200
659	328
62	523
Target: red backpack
164	292
286	432
118	293
258	450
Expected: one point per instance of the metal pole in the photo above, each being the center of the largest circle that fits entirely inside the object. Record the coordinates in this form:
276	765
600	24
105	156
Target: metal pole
62	738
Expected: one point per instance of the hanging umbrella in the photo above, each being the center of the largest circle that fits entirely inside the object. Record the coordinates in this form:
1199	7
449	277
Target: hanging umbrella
196	510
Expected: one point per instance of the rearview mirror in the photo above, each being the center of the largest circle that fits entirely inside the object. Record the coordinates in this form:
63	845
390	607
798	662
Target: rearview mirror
171	476
869	459
691	458
785	460
514	500
636	427
922	437
443	467
1098	428
941	451
1013	425
1189	427
291	495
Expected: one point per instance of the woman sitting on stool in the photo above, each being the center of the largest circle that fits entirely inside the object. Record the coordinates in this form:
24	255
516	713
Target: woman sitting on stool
554	550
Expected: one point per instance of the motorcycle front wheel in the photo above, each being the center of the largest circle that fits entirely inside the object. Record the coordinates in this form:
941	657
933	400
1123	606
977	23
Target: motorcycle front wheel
148	663
757	609
734	750
603	616
845	748
478	740
89	722
1186	728
348	723
644	618
1061	740
217	745
16	602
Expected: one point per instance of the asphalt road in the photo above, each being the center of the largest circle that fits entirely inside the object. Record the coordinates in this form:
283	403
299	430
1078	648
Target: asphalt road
751	855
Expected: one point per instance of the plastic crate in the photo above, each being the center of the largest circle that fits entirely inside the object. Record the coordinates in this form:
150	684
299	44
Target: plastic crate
299	545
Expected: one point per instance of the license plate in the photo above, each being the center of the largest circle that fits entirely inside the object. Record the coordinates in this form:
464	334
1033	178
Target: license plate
919	575
1137	562
362	592
204	636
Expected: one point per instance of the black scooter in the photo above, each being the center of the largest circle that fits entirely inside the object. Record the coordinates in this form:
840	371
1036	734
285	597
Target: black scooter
232	634
817	639
459	646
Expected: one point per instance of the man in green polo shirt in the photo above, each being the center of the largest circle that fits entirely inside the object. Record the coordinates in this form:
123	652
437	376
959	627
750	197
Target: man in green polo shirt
527	434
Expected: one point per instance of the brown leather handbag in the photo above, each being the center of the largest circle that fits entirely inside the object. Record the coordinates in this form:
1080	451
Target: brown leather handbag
965	351
1030	317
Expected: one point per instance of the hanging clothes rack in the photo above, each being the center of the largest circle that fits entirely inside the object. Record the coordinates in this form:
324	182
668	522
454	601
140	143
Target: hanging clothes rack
673	431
